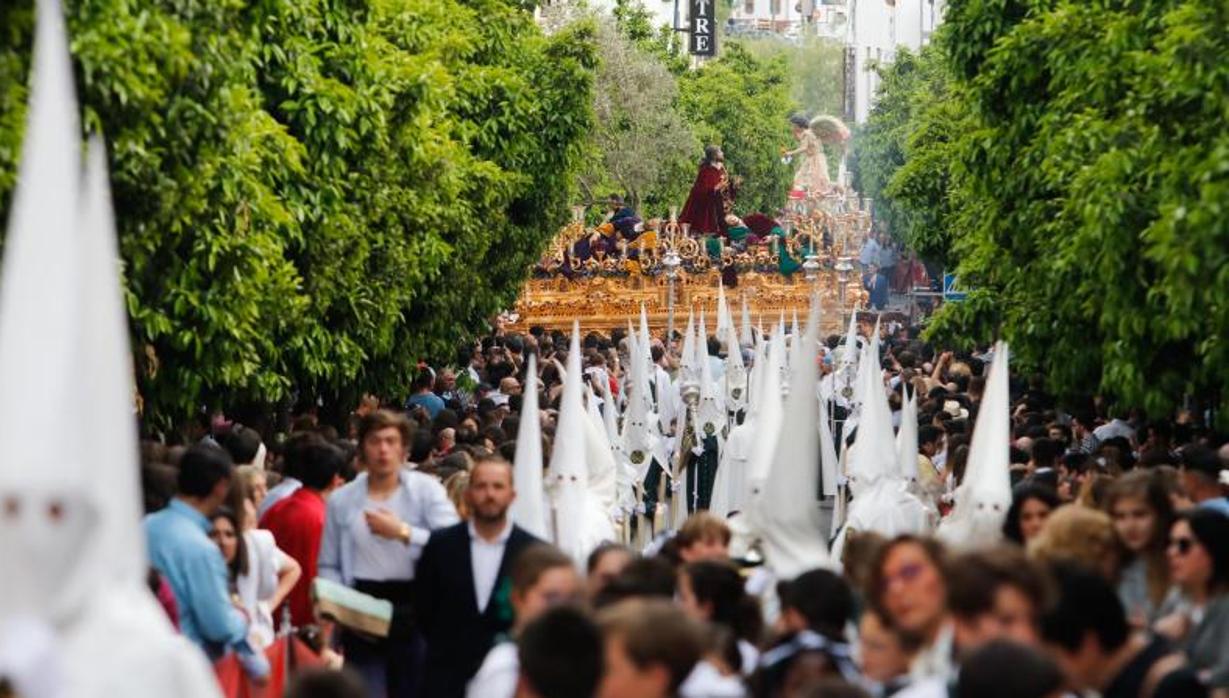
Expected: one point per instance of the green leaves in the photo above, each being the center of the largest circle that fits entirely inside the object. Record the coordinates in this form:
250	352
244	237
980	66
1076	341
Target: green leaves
313	195
1076	164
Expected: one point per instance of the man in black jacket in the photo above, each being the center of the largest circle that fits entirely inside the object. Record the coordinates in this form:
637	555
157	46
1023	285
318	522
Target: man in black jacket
462	581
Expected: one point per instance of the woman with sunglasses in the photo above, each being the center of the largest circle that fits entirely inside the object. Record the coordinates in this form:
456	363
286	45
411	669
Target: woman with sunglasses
1139	506
908	589
1199	566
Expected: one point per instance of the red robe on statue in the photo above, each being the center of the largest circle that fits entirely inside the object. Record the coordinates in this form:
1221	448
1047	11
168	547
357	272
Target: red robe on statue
706	204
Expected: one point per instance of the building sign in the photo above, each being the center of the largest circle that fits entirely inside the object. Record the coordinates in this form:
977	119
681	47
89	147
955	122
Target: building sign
703	27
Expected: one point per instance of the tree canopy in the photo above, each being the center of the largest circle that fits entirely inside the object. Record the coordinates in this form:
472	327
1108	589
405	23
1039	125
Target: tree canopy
312	195
1087	177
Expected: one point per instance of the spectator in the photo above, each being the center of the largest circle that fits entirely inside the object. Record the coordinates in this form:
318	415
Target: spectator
1087	633
461	574
374	532
650	648
297	522
180	549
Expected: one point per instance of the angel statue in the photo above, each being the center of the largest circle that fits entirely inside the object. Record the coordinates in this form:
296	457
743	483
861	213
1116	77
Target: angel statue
811	178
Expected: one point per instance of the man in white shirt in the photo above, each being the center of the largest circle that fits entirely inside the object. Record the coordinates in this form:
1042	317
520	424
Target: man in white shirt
462	581
1116	427
374	532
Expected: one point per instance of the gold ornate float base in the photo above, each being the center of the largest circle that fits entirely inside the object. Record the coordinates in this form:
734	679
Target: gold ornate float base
602	303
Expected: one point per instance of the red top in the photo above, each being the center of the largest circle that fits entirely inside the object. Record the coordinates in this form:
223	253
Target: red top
705	207
297	523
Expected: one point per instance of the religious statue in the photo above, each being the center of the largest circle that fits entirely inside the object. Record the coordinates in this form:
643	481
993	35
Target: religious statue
811	177
712	195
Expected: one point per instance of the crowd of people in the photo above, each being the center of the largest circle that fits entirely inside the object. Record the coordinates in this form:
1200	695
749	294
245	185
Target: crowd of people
1111	573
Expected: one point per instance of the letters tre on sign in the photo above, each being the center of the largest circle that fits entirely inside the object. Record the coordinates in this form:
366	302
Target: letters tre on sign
703	27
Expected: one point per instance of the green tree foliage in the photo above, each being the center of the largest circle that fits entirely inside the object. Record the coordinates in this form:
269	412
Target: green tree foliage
815	68
641	146
742	103
904	152
312	194
1088	191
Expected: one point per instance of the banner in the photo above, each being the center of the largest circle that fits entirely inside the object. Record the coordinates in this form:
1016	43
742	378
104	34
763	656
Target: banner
703	14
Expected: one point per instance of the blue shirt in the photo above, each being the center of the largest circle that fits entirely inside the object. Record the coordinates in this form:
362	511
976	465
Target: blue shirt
429	401
180	549
1219	505
870	252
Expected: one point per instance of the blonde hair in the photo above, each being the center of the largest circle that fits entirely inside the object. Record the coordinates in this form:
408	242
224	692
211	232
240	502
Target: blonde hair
1075	533
455	486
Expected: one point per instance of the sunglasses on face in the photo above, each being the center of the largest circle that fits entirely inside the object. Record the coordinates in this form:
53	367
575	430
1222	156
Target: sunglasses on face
1182	545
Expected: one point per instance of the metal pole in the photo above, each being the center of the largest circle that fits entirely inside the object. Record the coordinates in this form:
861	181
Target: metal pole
669	307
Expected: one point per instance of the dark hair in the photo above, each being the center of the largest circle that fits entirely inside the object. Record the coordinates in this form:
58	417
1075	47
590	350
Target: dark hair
1211	529
1020	495
202	467
1202	461
386	419
601	551
800	121
445	419
423	381
1046	452
561	654
242	443
1007	669
421	445
326	683
239	566
643	577
928	434
321	463
292	454
157	486
1086	603
719	585
710	153
534	561
656	632
823	598
974	579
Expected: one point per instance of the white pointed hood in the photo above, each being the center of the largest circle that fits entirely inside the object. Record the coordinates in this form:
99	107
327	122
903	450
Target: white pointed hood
638	436
873	455
982	500
40	341
906	438
745	336
710	412
827	452
600	460
577	525
735	371
72	544
769	419
689	370
646	339
788	509
724	319
529	508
